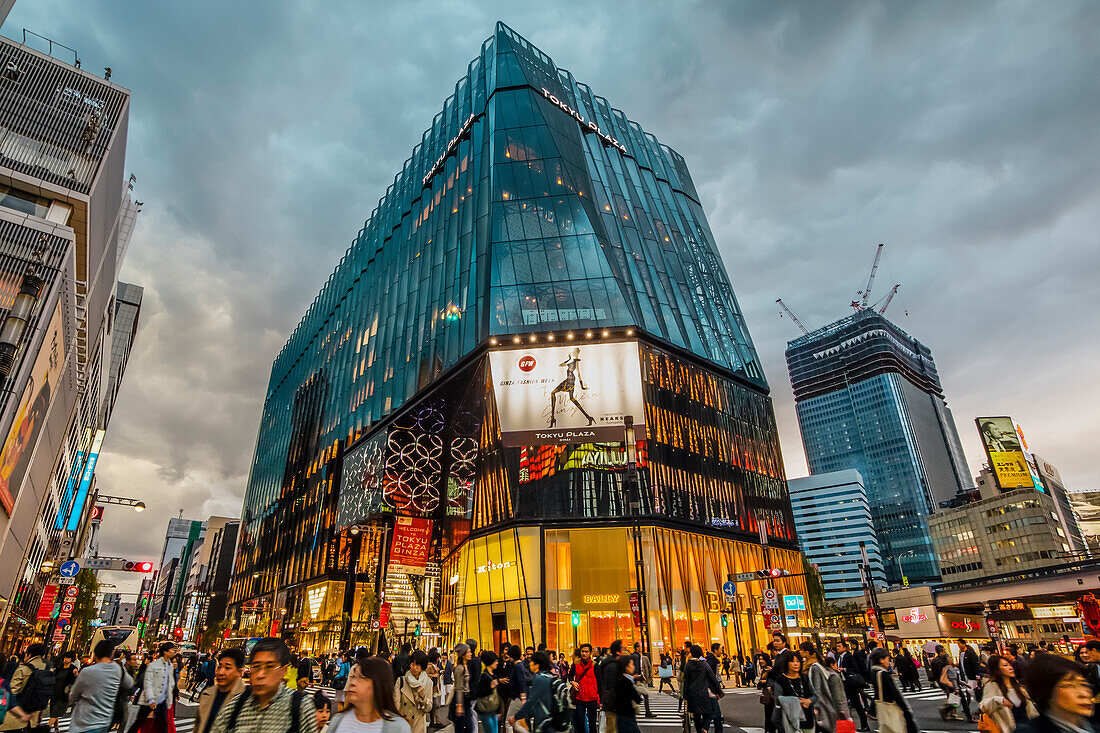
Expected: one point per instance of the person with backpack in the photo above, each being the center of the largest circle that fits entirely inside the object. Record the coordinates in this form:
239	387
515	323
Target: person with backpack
32	684
549	704
517	682
267	705
65	676
97	690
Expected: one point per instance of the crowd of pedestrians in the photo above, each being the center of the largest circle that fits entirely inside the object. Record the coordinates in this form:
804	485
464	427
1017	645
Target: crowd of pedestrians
514	690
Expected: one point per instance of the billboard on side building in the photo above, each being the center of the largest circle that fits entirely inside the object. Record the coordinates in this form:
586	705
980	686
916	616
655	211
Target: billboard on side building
1005	452
573	393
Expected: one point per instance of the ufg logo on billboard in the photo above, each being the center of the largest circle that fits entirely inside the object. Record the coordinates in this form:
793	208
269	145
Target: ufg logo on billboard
578	393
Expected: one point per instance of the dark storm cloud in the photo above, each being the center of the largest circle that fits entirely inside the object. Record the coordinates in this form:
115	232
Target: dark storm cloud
963	134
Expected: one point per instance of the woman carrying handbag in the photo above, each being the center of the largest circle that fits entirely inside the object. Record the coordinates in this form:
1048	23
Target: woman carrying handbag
894	715
1005	703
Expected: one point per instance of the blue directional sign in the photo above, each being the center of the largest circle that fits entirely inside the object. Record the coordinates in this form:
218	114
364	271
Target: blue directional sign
69	569
729	588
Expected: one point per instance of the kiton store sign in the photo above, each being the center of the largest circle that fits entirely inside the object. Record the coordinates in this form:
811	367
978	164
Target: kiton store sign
588	124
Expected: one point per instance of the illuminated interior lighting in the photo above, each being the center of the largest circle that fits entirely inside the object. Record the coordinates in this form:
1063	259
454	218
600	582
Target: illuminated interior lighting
533	338
604	333
588	335
550	337
607	207
515	339
630	332
493	342
569	335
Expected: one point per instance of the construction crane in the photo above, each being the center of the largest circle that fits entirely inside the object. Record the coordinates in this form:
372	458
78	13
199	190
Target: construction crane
861	303
790	313
886	301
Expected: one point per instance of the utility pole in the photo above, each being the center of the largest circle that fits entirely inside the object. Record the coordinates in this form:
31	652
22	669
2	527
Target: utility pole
635	494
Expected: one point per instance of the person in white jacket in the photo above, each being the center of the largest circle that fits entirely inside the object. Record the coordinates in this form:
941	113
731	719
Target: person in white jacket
158	692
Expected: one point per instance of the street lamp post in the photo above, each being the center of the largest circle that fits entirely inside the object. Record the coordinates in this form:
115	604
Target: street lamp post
635	494
136	504
897	559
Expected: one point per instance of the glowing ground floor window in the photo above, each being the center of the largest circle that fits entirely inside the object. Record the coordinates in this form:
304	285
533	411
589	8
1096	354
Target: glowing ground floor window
588	577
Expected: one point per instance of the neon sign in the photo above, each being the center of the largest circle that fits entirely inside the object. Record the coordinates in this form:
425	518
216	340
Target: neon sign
589	124
964	625
462	132
915	616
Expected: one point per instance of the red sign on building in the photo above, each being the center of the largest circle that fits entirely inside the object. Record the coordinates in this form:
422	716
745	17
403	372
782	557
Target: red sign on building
45	606
384	614
636	608
412	538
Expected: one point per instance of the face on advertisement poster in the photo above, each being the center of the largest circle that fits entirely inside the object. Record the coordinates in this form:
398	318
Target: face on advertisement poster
31	414
577	393
1005	454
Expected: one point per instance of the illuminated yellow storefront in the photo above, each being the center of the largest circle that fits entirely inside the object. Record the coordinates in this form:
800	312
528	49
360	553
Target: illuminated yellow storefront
523	585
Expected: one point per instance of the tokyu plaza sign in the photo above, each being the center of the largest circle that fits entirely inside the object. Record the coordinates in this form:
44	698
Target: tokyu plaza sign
589	124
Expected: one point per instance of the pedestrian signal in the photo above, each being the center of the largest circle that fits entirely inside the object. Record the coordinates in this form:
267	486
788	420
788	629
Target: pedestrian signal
725	620
576	619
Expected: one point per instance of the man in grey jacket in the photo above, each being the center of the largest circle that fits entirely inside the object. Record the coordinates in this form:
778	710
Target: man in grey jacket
95	691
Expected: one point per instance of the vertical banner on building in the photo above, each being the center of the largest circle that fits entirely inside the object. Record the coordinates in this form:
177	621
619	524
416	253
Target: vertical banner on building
577	393
85	482
45	606
636	608
412	538
1006	455
70	485
15	458
384	614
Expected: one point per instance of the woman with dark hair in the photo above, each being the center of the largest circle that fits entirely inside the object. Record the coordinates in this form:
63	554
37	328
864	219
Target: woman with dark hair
1004	700
832	704
64	677
626	698
371	707
1061	694
894	715
460	712
487	702
793	695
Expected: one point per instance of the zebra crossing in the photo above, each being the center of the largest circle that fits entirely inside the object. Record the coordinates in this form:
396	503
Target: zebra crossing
183	725
928	693
664	708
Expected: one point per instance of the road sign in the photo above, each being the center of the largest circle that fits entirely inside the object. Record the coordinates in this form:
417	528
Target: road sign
98	563
66	581
729	589
745	577
771	594
62	623
71	593
70	568
794	603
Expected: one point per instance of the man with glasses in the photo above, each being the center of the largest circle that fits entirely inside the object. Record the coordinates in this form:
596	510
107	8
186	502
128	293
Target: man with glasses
268	706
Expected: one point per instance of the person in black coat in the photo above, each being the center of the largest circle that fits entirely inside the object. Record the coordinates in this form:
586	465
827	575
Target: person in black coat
626	695
701	691
855	677
1061	693
881	677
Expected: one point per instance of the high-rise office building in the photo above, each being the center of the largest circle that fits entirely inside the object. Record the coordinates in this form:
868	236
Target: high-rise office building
127	309
108	610
65	210
532	340
833	519
868	397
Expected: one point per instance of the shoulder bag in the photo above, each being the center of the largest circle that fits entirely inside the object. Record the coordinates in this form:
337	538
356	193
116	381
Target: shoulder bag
891	718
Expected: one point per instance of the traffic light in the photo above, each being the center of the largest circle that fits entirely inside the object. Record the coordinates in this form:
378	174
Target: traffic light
772	573
576	619
725	620
138	567
417	631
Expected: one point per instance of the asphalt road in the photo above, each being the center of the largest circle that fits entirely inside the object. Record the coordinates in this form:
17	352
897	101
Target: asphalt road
742	710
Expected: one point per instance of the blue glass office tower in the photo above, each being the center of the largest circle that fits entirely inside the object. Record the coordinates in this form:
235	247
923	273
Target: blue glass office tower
868	397
531	213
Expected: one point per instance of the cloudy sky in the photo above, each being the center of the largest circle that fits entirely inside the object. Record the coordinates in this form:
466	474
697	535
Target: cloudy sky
964	135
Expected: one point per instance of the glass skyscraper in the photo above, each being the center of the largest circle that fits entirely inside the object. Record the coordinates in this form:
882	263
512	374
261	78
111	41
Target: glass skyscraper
537	229
868	397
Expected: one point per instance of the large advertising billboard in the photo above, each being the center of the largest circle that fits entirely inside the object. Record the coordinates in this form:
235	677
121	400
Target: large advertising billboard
15	458
412	539
1006	455
574	393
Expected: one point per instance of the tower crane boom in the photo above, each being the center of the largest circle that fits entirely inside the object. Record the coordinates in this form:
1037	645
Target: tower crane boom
790	313
866	292
886	301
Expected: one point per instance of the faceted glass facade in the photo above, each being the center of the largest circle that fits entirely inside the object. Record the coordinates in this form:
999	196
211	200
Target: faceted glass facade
868	398
531	207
